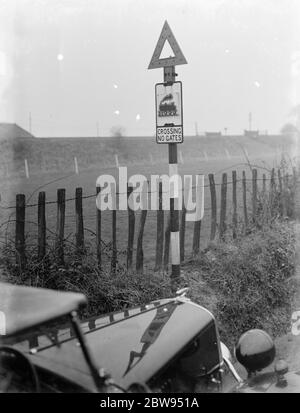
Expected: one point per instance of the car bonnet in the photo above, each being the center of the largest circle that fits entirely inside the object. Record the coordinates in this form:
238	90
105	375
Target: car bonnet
132	349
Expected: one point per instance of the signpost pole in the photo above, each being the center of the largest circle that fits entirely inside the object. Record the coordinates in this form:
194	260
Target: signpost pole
169	129
169	77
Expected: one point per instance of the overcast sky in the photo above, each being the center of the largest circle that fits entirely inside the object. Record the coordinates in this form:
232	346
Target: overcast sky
75	63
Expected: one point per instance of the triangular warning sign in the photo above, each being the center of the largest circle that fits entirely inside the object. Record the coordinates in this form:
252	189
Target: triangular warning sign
177	59
166	51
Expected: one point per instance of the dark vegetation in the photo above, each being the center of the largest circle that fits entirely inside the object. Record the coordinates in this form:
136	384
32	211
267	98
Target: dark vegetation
247	281
81	273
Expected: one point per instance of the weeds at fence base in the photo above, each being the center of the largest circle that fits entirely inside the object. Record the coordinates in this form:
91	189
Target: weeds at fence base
246	283
105	292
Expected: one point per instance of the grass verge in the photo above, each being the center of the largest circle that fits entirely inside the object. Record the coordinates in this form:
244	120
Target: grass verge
247	282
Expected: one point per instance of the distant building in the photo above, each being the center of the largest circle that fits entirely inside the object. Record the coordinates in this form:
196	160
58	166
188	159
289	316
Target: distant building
213	134
13	131
251	133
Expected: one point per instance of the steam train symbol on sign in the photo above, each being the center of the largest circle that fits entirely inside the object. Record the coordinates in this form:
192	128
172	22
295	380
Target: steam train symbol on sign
167	106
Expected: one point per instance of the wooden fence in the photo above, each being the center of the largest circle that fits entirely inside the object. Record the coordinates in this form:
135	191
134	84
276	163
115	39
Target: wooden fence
261	193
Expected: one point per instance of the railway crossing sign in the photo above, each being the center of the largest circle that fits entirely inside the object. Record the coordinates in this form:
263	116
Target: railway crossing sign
168	103
177	59
169	129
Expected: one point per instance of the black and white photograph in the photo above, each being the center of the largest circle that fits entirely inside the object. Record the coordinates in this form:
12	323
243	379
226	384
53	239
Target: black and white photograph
149	199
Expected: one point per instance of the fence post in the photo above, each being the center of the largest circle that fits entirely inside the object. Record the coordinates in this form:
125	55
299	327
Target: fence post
41	225
293	195
254	195
245	201
264	188
159	231
234	205
98	227
280	190
114	242
60	225
196	237
264	196
223	206
182	230
296	212
212	187
26	169
272	191
167	244
285	195
79	236
139	247
131	226
294	179
76	166
20	230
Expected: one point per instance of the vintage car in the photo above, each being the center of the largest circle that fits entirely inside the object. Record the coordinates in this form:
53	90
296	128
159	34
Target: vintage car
170	345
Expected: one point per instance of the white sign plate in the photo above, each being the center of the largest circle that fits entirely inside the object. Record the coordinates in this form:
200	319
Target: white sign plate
169	134
168	103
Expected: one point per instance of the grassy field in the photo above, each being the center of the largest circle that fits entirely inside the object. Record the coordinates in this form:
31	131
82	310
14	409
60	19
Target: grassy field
221	158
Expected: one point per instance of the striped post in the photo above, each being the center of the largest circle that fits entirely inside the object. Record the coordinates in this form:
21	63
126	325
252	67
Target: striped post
174	198
174	213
